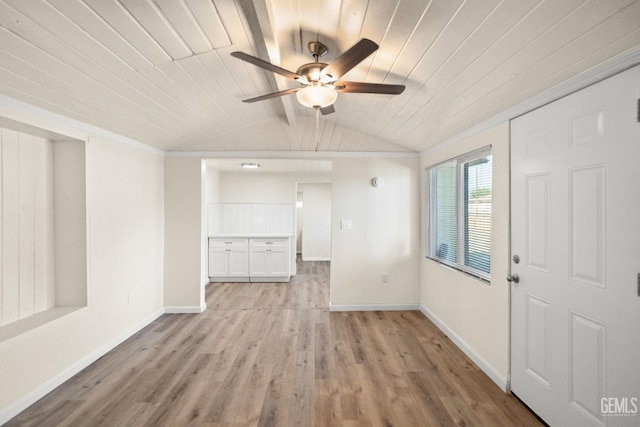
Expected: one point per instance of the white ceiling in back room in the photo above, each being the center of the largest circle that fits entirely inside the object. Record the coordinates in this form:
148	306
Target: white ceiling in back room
304	166
161	71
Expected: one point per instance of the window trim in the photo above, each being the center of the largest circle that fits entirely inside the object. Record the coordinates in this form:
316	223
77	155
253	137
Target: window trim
430	252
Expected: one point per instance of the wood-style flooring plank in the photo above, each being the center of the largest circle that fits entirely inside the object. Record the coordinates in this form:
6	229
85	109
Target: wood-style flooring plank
272	354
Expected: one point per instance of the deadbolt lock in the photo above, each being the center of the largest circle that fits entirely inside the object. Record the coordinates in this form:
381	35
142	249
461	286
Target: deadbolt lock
516	259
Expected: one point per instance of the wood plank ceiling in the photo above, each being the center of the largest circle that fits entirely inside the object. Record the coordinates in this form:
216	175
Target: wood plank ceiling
160	71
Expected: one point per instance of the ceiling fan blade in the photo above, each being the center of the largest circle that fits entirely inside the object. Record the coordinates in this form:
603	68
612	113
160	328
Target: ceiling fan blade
272	95
264	64
328	110
349	59
361	87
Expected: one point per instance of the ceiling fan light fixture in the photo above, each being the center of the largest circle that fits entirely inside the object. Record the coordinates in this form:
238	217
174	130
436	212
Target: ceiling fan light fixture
316	96
327	79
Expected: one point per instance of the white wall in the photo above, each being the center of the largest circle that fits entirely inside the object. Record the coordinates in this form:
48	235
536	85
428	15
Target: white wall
474	314
385	234
70	217
185	272
261	187
316	222
299	223
212	185
124	282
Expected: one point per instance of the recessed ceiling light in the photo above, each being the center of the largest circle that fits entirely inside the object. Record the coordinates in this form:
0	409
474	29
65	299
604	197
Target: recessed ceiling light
250	165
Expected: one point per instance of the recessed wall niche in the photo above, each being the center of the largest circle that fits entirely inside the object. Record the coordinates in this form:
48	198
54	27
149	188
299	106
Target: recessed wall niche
43	235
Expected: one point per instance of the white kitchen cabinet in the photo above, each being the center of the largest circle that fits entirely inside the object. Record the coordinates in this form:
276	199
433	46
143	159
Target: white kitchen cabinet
269	259
228	259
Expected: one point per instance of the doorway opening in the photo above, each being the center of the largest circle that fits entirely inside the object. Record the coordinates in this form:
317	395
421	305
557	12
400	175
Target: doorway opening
282	183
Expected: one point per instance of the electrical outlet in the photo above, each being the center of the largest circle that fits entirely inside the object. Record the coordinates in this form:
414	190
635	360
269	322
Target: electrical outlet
130	298
385	277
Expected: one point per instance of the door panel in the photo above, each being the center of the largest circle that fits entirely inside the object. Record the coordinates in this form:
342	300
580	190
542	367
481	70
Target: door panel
537	222
538	339
587	365
586	224
279	262
239	262
218	262
587	128
575	198
258	262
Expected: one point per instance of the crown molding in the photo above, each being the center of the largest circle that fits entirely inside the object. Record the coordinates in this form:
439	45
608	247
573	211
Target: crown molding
290	154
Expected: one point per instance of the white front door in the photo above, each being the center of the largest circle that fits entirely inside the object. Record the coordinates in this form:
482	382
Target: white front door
575	212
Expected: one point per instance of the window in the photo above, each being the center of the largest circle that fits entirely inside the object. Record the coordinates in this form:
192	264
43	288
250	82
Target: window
459	213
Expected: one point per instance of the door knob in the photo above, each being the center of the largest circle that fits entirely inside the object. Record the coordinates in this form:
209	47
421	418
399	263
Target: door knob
513	278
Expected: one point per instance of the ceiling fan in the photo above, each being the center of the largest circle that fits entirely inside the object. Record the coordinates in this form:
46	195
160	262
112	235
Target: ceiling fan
320	85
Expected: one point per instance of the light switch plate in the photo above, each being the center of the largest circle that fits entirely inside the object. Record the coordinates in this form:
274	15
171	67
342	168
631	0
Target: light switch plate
345	224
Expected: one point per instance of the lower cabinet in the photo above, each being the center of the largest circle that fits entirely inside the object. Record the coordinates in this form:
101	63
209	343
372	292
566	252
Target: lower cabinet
229	259
249	259
269	259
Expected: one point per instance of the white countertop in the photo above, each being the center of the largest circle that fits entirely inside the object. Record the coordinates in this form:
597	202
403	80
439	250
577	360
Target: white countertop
247	236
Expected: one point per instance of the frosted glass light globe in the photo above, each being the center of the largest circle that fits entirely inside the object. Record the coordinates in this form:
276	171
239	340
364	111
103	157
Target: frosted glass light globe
316	96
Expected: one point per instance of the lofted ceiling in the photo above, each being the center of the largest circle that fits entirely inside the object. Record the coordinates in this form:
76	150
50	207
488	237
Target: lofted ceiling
160	71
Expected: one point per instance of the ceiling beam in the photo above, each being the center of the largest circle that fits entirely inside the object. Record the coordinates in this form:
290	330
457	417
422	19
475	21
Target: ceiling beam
259	18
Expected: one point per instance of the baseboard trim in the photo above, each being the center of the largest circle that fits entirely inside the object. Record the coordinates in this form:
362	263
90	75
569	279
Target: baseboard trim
48	386
495	376
316	258
373	307
186	309
227	279
268	279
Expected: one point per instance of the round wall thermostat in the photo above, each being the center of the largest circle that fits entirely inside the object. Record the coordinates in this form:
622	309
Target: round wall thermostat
377	182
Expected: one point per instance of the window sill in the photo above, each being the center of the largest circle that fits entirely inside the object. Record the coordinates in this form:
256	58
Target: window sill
21	326
459	270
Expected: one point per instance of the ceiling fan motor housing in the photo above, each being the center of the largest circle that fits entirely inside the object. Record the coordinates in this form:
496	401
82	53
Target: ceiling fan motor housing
312	72
317	49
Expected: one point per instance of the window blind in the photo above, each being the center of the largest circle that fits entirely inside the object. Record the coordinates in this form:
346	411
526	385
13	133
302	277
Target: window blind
459	209
444	206
477	213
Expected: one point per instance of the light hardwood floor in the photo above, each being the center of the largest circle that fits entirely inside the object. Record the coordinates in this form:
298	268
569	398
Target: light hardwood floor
273	355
